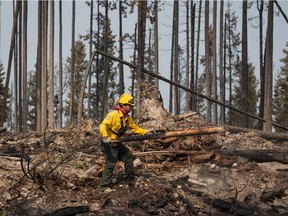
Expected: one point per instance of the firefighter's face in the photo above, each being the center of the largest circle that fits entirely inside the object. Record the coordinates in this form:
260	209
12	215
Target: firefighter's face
127	107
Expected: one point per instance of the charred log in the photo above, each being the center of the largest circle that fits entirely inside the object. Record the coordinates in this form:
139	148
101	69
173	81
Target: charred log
261	156
270	195
268	136
69	211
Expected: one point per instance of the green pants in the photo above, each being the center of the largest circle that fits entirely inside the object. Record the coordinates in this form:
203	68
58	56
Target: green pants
113	153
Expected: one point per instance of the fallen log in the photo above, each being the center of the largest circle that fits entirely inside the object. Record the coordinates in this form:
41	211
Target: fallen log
165	153
185	199
69	211
203	158
180	133
270	195
265	135
261	155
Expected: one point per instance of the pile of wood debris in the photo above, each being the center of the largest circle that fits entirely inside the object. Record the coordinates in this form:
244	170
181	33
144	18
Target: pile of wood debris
57	173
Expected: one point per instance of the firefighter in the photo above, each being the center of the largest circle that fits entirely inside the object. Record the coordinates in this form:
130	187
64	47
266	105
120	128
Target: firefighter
115	124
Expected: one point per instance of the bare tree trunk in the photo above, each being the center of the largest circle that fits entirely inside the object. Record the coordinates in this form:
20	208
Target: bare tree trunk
193	106
16	80
90	54
51	68
221	78
60	66
176	63
38	68
150	68
224	68
106	71
197	52
24	55
142	8
121	71
187	98
269	72
44	67
244	68
214	78
71	118
20	75
230	62
98	115
134	71
156	49
207	62
260	7
171	65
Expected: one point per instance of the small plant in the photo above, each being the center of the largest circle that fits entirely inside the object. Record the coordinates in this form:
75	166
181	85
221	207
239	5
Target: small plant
3	212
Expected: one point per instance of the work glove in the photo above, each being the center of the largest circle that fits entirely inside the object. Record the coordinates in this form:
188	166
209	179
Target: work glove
151	132
106	140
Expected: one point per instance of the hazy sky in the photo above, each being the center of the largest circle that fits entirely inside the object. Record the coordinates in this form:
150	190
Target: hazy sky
83	22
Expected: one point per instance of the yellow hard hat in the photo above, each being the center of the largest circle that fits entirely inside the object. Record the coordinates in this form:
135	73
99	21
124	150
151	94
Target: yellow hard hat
125	99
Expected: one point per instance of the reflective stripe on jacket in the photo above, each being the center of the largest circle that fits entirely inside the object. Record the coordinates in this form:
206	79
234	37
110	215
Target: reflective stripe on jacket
112	124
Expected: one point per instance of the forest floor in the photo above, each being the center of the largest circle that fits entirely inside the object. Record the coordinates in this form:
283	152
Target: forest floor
58	173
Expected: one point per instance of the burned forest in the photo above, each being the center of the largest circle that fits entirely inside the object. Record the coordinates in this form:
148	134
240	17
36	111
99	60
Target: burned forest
213	171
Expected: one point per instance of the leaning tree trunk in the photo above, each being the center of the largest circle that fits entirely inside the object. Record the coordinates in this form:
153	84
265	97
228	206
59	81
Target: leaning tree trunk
6	90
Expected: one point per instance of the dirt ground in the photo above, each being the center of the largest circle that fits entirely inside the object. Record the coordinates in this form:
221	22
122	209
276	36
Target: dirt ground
57	173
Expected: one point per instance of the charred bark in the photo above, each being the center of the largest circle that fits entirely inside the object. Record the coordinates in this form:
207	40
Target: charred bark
69	211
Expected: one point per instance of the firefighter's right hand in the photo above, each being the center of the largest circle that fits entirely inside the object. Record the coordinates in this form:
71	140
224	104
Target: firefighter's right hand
106	140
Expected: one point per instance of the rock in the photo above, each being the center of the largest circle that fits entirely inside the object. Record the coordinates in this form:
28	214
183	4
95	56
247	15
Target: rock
94	207
137	162
6	196
92	170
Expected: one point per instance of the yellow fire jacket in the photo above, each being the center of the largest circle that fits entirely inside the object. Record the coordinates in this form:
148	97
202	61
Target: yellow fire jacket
111	125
